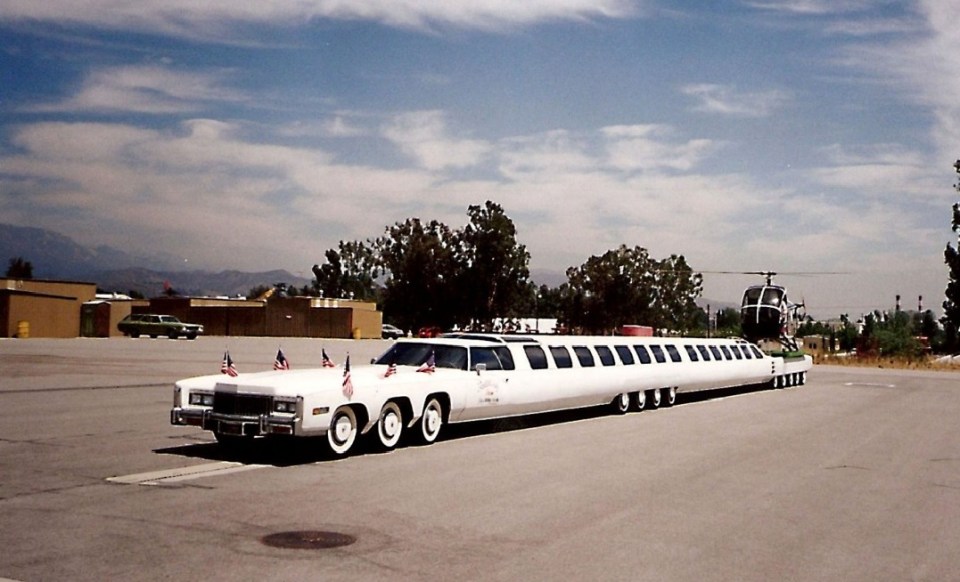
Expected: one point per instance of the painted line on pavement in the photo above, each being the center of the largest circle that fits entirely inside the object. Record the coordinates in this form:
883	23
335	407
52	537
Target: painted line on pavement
183	473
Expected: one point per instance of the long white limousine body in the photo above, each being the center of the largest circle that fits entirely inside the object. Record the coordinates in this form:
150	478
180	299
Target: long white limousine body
418	385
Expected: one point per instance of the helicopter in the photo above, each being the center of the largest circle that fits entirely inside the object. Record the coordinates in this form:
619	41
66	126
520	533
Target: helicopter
767	314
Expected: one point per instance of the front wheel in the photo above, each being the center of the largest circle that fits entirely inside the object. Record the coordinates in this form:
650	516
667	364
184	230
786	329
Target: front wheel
390	425
431	421
343	430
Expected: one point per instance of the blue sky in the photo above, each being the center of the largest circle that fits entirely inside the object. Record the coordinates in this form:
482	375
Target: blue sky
802	136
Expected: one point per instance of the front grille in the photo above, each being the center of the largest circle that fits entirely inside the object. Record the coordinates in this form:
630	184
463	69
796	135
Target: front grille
241	404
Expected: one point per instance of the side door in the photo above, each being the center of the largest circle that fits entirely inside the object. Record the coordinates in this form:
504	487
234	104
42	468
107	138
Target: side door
490	394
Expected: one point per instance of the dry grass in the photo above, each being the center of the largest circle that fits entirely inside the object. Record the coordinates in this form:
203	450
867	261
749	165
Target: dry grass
923	363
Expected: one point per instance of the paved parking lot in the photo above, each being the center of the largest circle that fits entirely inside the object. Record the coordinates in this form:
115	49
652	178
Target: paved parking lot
853	476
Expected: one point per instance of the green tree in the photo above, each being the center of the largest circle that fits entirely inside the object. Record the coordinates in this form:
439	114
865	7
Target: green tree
19	269
951	305
677	289
728	322
421	267
626	286
492	266
350	271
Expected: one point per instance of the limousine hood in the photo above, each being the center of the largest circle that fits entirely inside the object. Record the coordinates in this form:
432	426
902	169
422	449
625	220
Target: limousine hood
304	382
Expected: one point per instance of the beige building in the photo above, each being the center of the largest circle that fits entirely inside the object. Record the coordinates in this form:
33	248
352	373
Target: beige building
41	308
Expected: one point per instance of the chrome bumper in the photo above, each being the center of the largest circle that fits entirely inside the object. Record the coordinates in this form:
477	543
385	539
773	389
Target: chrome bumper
234	424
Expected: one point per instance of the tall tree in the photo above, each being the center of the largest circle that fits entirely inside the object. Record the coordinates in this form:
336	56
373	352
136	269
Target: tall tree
493	266
627	286
20	269
350	271
610	290
421	267
951	305
677	289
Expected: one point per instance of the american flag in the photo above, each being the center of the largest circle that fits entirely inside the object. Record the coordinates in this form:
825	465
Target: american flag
347	382
430	366
326	359
391	370
281	363
227	367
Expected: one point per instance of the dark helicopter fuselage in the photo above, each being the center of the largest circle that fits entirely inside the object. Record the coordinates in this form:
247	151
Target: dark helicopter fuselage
764	312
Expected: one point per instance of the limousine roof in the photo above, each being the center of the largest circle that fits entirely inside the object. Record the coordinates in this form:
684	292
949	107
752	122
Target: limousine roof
470	337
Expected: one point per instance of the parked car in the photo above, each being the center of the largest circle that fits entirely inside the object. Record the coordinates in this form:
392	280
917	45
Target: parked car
388	331
153	325
429	331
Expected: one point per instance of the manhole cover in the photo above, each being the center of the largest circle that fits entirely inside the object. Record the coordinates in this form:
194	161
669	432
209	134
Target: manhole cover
308	540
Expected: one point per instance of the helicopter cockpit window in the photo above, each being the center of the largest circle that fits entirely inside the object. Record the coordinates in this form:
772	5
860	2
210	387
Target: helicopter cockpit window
752	296
772	296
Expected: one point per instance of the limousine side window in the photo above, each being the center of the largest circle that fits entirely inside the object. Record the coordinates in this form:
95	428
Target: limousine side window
606	356
716	353
561	357
536	357
625	356
674	353
736	352
726	352
692	353
506	357
746	352
658	354
585	356
642	354
704	352
498	358
756	352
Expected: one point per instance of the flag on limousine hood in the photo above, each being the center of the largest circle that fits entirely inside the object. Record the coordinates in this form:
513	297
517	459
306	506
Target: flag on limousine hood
326	359
430	366
227	367
281	362
391	370
347	381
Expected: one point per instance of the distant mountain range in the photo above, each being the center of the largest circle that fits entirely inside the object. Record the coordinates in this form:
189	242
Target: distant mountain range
58	257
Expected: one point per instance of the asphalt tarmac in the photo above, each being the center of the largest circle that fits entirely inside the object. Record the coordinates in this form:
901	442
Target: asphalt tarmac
855	476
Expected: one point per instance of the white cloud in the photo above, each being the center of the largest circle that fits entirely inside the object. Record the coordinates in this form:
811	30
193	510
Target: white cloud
644	148
213	17
423	136
151	89
813	7
726	100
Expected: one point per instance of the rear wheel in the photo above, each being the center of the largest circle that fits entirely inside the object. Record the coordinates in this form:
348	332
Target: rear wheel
343	430
654	398
671	396
172	334
640	399
390	425
621	403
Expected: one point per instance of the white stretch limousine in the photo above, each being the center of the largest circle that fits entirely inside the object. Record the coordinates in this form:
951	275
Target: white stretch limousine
420	384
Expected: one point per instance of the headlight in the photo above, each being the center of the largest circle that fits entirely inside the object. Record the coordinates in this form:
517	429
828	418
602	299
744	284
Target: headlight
285	406
201	398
